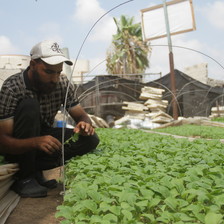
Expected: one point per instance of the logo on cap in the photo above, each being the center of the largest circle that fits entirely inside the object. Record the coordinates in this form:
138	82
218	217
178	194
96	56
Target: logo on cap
55	47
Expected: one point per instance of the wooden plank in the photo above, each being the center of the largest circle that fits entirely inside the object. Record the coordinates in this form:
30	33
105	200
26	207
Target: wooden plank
146	96
152	90
133	109
161	102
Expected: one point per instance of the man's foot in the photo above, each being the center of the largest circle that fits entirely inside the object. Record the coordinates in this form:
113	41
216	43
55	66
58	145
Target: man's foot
29	188
46	183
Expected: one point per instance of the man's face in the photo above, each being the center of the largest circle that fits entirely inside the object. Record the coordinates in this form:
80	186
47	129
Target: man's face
45	77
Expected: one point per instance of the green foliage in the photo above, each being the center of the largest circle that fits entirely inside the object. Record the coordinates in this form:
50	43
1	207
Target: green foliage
134	177
195	131
218	119
2	160
73	138
128	53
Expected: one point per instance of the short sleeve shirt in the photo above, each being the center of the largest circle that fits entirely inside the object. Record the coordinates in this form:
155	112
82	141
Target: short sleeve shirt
17	87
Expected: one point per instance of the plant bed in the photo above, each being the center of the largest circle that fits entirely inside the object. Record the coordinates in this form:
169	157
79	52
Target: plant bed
136	177
191	130
218	119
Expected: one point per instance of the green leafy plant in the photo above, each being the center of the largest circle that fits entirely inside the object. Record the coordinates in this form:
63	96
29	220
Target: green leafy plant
195	131
135	177
73	138
218	119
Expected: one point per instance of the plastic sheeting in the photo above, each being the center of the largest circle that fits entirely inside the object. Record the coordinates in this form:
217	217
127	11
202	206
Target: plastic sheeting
8	199
135	123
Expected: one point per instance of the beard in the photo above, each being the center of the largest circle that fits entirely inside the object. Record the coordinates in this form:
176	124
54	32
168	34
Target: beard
42	87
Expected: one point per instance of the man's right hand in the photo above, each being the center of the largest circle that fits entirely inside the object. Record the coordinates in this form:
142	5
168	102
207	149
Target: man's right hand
48	144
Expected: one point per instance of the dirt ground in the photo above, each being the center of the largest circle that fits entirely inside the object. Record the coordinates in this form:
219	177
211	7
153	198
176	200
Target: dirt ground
39	210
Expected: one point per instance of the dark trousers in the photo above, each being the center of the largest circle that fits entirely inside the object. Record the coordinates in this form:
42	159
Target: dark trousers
27	124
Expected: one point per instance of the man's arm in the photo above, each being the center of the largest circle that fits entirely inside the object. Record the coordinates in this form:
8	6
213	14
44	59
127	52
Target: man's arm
83	122
11	145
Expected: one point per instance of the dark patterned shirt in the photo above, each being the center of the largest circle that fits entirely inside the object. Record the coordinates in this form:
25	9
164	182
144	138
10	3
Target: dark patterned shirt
18	87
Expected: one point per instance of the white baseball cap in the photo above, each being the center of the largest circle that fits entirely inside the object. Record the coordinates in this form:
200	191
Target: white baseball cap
50	52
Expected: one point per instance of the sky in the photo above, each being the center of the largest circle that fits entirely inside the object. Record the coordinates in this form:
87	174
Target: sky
76	25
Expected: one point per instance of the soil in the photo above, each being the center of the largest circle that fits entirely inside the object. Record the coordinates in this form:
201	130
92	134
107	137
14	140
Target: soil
39	210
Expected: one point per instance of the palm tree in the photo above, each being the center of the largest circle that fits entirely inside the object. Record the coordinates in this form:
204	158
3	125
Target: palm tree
128	53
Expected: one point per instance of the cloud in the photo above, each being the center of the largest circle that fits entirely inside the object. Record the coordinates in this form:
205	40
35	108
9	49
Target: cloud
6	46
214	14
88	11
104	31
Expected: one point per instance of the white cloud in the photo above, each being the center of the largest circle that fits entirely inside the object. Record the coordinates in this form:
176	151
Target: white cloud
6	46
214	14
88	11
104	31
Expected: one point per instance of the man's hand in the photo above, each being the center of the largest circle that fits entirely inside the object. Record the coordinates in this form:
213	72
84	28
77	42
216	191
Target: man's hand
84	128
47	144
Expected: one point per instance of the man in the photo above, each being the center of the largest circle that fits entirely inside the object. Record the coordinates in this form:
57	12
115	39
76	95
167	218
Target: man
29	102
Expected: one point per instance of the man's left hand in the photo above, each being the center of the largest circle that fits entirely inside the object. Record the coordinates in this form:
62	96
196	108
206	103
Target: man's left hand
84	128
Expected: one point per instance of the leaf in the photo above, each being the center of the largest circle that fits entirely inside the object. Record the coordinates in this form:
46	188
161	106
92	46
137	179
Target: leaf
179	184
96	196
126	206
75	137
154	202
128	197
142	203
104	206
213	218
96	219
116	210
82	217
164	191
65	211
219	200
185	217
165	217
147	194
127	214
81	192
171	203
65	222
149	216
90	204
110	217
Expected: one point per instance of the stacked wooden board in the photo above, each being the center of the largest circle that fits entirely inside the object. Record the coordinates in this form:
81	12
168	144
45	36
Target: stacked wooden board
217	111
153	106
